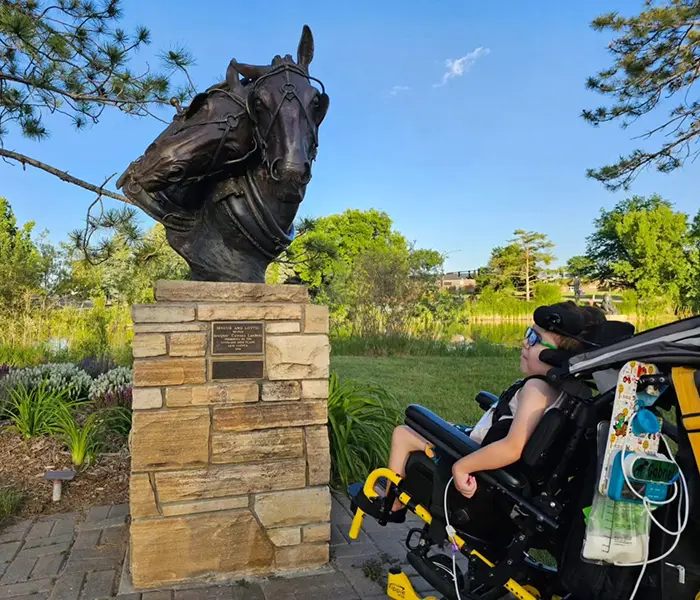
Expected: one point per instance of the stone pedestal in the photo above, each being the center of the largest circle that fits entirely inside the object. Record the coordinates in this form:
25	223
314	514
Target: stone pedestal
230	449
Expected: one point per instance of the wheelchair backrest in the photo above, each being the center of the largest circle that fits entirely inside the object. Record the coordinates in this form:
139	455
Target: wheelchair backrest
544	449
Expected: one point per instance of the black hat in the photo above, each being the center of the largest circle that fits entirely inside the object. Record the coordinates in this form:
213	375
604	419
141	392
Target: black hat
585	324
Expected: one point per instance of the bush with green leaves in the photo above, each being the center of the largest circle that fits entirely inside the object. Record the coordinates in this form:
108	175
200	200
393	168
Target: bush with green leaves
64	378
112	394
361	421
96	366
112	388
33	411
83	439
11	500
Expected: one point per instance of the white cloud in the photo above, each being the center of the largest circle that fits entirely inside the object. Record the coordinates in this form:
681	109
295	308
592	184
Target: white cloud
459	66
397	89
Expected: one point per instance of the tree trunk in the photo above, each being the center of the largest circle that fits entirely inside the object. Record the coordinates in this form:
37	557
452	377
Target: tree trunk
527	273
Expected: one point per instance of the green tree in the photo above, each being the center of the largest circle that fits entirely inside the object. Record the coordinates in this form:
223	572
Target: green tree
656	57
644	245
355	262
20	261
518	264
502	269
70	58
580	266
425	264
692	292
136	261
54	269
326	248
535	256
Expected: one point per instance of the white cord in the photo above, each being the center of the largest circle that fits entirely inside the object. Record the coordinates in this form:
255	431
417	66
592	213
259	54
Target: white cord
648	503
451	536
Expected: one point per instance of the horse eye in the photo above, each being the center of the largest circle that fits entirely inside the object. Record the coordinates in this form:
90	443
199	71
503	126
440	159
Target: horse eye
316	101
176	174
257	103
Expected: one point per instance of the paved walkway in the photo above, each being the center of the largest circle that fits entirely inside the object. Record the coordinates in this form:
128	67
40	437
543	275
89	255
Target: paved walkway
80	556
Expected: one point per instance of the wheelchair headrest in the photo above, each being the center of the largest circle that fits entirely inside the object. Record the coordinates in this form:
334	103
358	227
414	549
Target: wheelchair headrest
585	324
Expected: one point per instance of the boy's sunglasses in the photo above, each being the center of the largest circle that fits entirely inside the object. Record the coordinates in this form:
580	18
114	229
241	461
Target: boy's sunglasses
533	338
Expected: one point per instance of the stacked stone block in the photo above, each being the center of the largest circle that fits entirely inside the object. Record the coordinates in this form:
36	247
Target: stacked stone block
229	476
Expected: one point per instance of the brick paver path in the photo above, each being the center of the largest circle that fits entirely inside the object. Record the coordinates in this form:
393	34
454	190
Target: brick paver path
80	556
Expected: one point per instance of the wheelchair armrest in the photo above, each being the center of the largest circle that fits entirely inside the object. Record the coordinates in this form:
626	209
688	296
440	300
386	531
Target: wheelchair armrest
486	400
452	441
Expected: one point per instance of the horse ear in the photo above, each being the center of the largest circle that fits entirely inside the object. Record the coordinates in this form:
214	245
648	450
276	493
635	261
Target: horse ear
195	105
305	52
234	83
251	71
323	108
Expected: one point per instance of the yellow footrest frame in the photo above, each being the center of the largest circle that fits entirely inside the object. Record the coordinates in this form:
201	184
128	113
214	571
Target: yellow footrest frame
511	585
399	587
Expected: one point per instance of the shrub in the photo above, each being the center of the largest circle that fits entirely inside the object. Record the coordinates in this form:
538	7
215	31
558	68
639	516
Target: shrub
33	411
82	440
118	420
97	366
10	502
361	419
402	345
58	377
547	293
112	388
112	392
95	341
22	356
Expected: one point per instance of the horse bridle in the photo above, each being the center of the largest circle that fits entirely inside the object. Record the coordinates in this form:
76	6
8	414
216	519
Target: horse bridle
228	123
289	91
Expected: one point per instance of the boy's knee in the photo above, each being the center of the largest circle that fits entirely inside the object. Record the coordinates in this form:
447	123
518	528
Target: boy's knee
402	432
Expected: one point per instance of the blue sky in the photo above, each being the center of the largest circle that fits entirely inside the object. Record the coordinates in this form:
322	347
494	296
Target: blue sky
458	167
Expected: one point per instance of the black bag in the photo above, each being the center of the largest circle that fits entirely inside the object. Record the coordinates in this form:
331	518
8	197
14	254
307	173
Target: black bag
677	576
582	579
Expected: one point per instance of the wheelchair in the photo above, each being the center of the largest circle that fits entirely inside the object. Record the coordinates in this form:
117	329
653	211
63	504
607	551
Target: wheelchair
537	507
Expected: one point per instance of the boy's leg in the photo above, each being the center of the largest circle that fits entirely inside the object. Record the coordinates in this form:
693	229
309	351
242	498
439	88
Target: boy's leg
404	441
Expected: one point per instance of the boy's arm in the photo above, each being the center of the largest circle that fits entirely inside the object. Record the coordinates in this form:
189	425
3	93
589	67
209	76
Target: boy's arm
508	450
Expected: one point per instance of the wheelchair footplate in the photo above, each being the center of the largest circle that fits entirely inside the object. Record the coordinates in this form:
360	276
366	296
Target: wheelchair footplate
367	501
399	587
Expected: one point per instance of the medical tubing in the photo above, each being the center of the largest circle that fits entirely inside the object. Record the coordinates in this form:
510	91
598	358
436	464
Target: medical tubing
450	534
647	503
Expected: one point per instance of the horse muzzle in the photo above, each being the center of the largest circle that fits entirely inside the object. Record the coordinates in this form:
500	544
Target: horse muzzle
290	172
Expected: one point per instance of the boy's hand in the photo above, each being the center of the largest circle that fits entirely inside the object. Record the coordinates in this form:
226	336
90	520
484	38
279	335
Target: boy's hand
466	486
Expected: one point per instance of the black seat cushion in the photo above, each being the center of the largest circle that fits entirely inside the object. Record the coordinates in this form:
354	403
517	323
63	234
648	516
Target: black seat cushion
454	442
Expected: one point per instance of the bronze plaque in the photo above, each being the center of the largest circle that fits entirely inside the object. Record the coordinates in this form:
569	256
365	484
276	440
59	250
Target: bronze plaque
237	369
237	337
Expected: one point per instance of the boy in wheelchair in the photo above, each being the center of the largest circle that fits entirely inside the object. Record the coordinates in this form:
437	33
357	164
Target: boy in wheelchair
506	427
524	477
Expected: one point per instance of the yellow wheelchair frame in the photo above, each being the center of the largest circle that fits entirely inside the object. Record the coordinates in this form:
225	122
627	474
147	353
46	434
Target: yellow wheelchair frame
399	586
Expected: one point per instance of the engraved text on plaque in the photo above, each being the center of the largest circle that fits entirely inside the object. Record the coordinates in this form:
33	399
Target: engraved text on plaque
237	337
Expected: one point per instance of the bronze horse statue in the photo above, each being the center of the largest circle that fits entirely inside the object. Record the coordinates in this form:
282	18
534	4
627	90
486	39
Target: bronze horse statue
227	176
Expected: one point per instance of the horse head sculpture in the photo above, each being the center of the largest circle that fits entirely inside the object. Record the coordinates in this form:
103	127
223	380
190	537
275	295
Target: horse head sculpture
226	177
211	134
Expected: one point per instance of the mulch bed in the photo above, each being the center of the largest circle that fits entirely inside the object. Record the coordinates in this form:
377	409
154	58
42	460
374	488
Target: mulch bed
23	464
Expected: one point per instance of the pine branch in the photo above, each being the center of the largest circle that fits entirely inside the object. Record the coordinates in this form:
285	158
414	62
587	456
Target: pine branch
63	175
79	97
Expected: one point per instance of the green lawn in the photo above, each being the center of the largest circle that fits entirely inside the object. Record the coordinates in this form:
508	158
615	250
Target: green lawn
446	385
